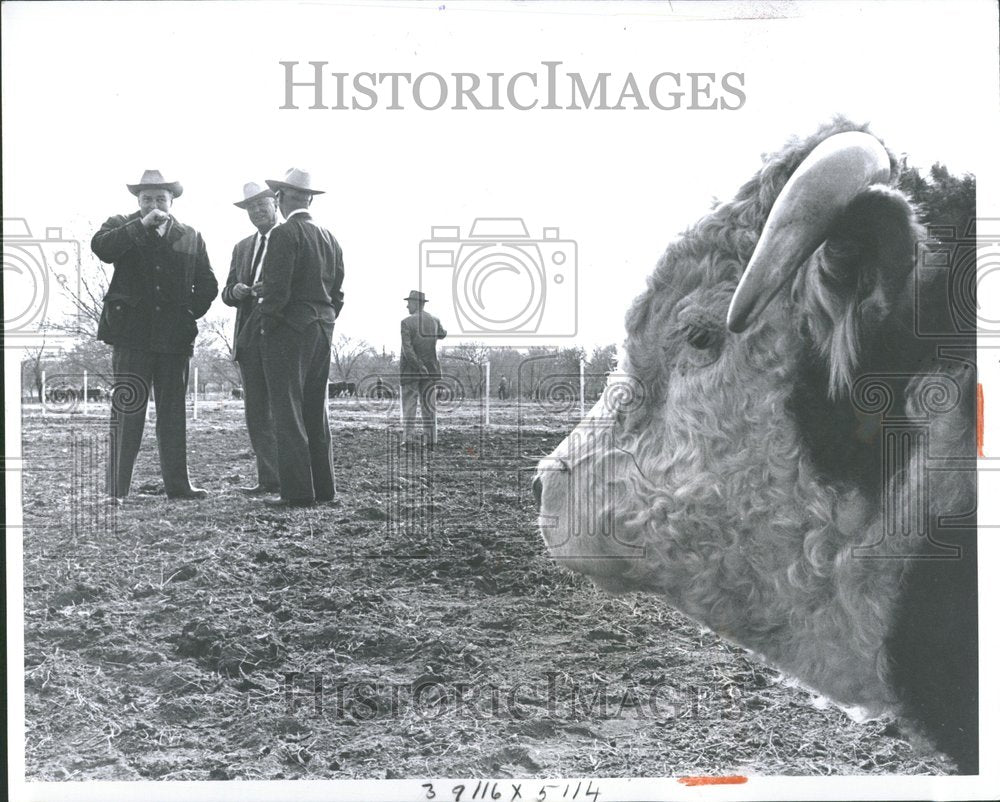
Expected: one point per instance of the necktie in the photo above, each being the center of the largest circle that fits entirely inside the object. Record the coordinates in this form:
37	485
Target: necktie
257	258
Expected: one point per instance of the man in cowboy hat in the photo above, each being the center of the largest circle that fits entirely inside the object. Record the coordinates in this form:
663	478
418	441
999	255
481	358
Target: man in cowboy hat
300	299
162	284
419	370
242	290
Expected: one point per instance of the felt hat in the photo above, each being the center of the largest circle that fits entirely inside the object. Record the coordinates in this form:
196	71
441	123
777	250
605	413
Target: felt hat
251	192
295	179
416	295
153	179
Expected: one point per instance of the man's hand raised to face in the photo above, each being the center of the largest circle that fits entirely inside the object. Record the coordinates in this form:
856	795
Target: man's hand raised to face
155	218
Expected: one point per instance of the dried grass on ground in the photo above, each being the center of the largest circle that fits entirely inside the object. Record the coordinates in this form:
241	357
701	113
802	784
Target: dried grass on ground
160	637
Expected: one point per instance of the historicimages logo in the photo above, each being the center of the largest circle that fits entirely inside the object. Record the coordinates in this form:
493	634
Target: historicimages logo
502	281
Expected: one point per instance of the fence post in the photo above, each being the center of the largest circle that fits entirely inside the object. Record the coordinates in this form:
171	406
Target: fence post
195	417
487	393
44	390
581	389
86	406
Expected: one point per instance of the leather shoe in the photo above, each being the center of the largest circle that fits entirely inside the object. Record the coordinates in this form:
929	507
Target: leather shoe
284	503
191	494
257	490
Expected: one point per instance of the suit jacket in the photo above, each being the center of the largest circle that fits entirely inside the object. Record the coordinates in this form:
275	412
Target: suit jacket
239	273
160	286
302	275
420	333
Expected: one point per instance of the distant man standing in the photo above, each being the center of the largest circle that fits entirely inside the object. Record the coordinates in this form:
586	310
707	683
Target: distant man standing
300	300
162	283
242	290
419	369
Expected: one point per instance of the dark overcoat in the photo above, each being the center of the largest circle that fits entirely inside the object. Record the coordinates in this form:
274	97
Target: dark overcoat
160	286
302	275
240	273
418	358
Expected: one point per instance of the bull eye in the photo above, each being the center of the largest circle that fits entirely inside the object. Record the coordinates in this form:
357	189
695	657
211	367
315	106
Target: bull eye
700	337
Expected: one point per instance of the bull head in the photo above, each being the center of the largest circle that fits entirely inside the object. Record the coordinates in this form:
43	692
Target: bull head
729	466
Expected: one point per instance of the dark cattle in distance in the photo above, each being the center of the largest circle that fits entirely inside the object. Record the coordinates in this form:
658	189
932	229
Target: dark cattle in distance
68	394
341	389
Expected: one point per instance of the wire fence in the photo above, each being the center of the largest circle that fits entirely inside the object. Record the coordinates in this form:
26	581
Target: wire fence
466	397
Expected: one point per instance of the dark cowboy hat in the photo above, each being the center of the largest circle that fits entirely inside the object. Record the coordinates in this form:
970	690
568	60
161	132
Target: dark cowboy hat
153	179
416	295
251	192
295	179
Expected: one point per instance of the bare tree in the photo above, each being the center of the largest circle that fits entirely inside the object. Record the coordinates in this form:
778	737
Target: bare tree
34	364
221	330
215	366
346	352
465	365
504	364
477	353
537	363
602	362
92	356
88	303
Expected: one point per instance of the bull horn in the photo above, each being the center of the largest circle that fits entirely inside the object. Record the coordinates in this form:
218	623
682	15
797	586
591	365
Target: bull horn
838	168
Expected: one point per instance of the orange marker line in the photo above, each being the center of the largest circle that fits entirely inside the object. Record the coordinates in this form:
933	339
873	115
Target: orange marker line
731	780
979	419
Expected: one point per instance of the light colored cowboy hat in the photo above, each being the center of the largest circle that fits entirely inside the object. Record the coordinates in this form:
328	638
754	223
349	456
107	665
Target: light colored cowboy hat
416	295
251	192
295	179
153	179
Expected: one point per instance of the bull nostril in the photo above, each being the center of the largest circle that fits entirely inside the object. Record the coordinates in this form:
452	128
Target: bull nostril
536	489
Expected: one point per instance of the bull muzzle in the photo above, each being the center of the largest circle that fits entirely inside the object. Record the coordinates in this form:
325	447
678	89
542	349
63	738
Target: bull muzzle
831	176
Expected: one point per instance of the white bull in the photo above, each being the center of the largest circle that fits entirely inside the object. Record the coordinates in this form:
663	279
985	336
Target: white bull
764	457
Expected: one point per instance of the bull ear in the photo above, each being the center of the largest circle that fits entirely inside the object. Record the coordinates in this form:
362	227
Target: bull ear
857	279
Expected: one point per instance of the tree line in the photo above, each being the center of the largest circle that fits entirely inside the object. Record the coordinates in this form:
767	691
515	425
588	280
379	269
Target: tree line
943	200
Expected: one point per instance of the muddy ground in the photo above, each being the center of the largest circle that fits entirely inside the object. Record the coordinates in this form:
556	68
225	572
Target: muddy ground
416	629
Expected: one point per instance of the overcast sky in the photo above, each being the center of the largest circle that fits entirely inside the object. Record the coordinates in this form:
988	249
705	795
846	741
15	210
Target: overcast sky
95	93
